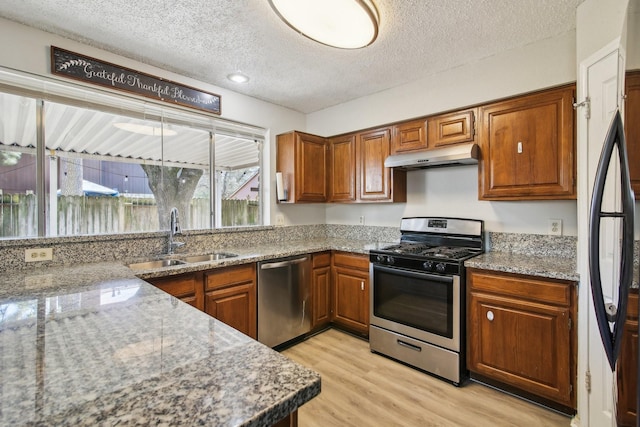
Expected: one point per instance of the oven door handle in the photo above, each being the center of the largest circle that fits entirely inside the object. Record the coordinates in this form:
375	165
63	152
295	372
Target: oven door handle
448	279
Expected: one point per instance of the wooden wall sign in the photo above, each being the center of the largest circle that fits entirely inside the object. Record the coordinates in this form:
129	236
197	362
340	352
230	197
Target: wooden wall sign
91	70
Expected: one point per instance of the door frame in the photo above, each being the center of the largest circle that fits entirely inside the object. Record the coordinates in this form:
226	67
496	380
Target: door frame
593	400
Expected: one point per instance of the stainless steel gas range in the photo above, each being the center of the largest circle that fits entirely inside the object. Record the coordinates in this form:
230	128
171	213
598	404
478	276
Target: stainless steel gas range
417	311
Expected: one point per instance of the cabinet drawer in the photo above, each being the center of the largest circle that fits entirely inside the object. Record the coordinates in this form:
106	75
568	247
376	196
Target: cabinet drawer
178	286
321	260
526	287
229	276
359	262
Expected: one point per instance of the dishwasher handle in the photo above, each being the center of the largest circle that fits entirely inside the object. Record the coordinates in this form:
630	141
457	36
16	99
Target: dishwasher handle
280	264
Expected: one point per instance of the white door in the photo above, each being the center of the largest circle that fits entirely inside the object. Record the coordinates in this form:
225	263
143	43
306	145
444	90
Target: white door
602	84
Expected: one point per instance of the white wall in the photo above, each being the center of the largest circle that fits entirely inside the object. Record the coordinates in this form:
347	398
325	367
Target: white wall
454	191
27	49
633	35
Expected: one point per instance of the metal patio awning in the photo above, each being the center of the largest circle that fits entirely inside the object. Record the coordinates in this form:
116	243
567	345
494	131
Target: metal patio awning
81	132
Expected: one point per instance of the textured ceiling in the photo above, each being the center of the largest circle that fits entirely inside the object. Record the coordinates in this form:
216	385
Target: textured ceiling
209	39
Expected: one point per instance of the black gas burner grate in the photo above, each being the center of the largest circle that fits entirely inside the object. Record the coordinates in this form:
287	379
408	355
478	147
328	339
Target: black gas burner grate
447	252
407	248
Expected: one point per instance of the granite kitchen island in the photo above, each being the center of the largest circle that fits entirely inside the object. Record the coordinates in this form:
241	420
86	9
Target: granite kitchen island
94	345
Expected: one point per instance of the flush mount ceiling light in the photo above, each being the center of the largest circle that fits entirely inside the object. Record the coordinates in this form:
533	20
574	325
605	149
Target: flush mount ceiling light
346	24
145	129
238	77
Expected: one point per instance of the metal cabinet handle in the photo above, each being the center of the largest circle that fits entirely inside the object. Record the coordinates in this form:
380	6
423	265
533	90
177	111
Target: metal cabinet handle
362	286
519	147
490	316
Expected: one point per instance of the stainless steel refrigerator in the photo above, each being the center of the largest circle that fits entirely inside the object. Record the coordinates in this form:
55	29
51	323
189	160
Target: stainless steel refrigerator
610	315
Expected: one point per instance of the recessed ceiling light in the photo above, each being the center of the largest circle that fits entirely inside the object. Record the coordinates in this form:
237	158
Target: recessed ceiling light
238	77
145	129
347	24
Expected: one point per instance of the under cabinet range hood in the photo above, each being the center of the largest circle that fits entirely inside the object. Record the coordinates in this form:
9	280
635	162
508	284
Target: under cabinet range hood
460	154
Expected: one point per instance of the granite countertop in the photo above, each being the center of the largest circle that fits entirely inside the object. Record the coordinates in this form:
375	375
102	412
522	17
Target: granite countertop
94	345
552	267
255	253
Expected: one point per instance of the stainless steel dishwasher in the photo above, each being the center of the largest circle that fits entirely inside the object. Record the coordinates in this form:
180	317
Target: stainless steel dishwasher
284	299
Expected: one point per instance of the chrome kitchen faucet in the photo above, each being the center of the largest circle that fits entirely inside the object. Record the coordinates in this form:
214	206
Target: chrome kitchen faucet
174	230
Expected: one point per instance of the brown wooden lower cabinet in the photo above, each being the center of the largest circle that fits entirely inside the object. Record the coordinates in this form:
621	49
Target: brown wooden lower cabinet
227	293
320	290
520	333
627	369
187	287
351	292
339	293
290	420
230	296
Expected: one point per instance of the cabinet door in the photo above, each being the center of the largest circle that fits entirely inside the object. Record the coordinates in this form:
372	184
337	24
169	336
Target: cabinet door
627	369
230	296
351	299
410	136
321	309
342	169
186	287
632	128
523	344
373	149
452	128
527	147
311	168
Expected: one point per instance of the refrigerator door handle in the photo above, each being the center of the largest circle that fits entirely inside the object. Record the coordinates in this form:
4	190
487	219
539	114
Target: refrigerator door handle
604	312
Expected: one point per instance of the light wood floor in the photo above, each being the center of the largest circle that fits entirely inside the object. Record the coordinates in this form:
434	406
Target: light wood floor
361	389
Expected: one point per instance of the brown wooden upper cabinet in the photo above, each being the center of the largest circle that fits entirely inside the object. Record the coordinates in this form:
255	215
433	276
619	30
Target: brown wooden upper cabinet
376	182
342	169
302	159
527	147
632	127
409	136
356	169
452	128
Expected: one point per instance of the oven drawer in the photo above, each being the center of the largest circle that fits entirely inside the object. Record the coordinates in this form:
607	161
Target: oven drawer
429	358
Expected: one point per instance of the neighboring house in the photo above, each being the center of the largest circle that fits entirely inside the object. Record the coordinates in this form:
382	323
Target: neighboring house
249	190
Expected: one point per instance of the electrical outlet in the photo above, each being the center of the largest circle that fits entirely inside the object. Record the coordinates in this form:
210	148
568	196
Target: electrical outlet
279	219
38	254
362	219
555	227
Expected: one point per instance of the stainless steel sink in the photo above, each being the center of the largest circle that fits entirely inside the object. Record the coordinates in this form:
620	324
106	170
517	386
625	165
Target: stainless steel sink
215	256
147	265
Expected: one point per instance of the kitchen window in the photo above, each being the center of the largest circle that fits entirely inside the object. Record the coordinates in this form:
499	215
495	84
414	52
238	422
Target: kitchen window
99	163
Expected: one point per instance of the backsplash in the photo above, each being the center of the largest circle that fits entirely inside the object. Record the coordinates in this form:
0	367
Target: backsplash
532	244
128	247
363	232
